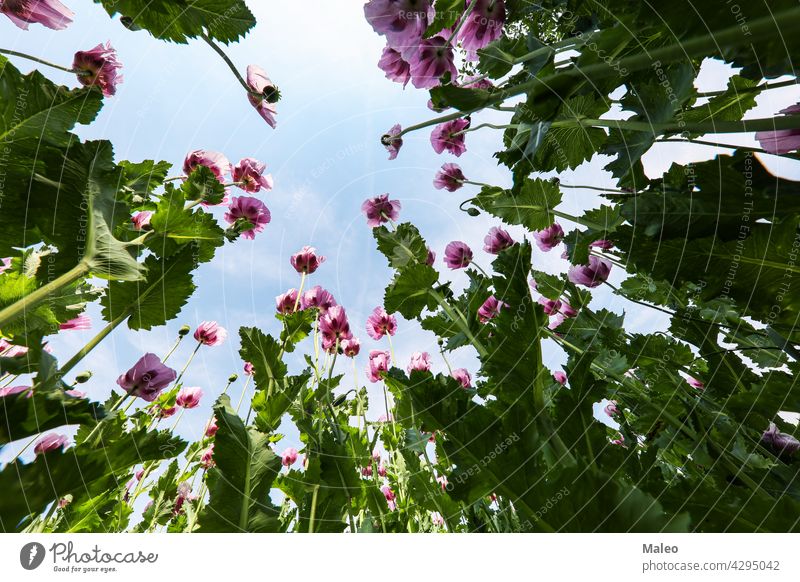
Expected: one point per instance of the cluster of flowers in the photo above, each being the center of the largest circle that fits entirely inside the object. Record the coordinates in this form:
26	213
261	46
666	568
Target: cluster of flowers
409	56
249	212
100	67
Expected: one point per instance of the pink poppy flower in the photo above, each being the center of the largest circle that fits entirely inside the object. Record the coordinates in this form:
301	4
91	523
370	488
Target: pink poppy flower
211	427
457	255
214	161
207	458
266	96
380	209
366	471
420	361
147	378
497	241
484	24
288	457
83	321
141	220
390	497
285	303
248	368
306	260
449	136
437	519
611	408
431	60
189	397
490	309
350	347
403	22
250	209
602	244
381	470
392	140
381	323
461	375
50	442
210	333
431	258
394	66
591	275
449	178
695	383
11	390
318	298
442	481
549	238
249	175
551	306
560	377
781	141
75	393
378	362
566	309
333	326
98	67
50	13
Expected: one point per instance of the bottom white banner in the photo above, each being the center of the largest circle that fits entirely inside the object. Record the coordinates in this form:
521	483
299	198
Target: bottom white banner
122	557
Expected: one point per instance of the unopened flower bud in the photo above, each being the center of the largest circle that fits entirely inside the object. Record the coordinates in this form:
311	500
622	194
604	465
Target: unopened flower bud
83	377
473	212
232	378
184	330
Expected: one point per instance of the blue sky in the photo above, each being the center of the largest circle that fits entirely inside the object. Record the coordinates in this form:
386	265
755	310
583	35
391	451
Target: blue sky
325	158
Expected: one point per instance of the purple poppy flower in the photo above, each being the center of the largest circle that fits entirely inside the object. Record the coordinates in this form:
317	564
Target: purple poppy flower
591	275
462	376
189	397
449	178
141	220
317	297
380	209
497	241
250	209
214	161
249	175
434	58
306	260
484	24
490	309
379	362
431	258
781	141
50	13
50	442
98	67
394	66
350	347
381	323
457	255
285	302
420	361
266	96
403	22
393	141
560	377
779	441
210	333
449	136
147	378
549	238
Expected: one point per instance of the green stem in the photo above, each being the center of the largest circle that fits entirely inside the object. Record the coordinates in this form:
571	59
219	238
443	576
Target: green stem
764	87
462	22
743	126
714	144
33	299
38	60
459	321
313	509
489	125
578	220
230	64
84	351
547	49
